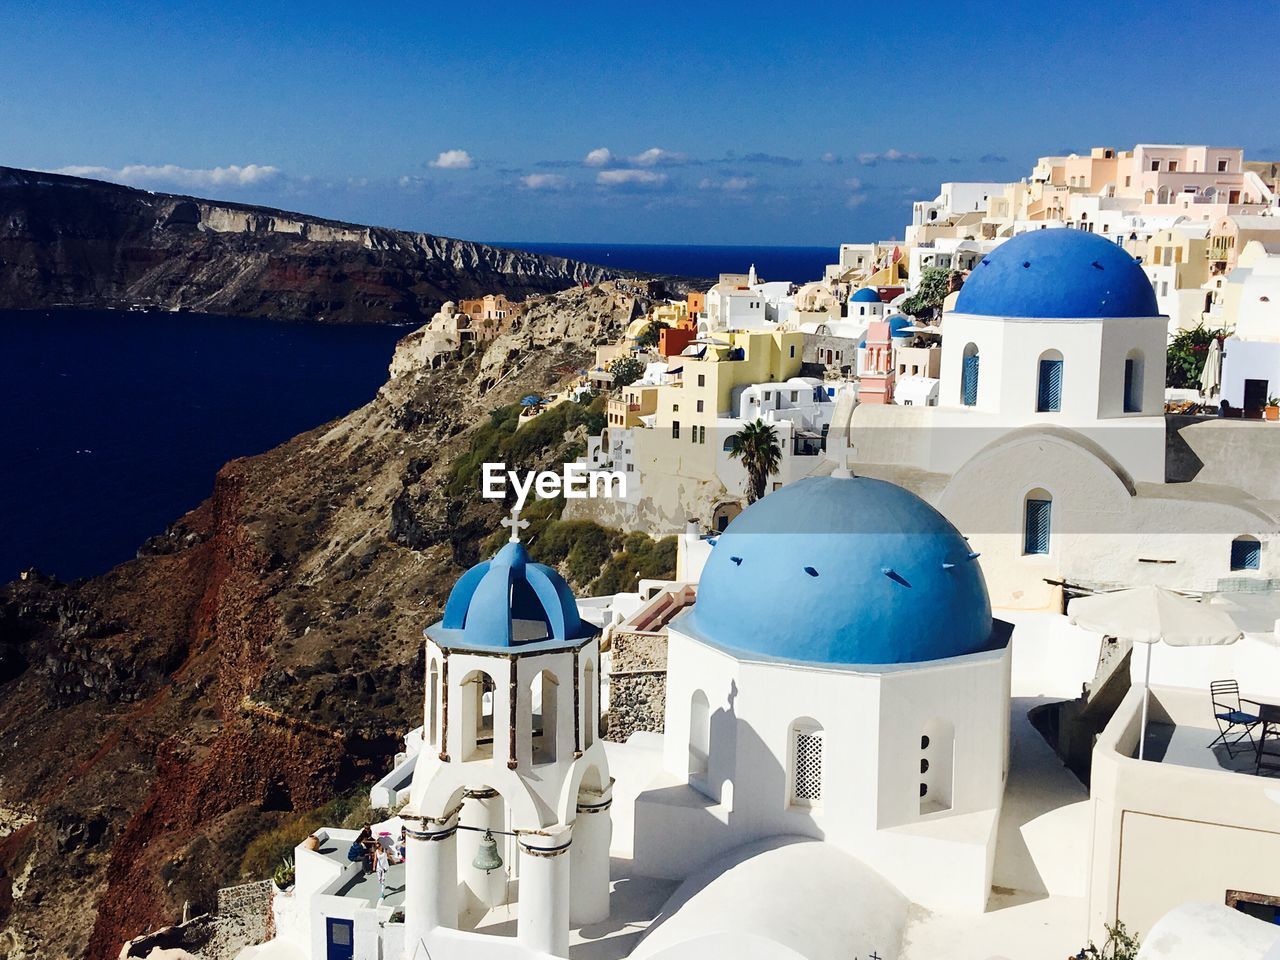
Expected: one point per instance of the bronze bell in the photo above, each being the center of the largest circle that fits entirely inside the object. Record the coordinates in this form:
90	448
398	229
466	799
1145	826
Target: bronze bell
487	858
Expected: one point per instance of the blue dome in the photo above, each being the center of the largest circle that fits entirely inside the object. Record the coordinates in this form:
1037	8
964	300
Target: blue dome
865	295
842	571
1058	273
510	601
898	326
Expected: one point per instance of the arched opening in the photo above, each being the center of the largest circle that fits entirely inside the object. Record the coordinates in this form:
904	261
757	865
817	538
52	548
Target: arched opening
433	703
1037	522
477	716
1246	553
969	376
699	735
544	698
806	752
724	514
1149	196
937	766
590	717
1133	382
1049	383
1162	195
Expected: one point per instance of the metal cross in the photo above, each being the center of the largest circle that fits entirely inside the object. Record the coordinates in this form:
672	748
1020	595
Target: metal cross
516	524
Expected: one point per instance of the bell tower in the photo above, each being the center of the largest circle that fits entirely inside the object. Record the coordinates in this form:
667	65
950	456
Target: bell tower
510	799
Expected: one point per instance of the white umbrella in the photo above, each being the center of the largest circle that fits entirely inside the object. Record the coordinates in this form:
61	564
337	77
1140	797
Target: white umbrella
1211	375
1152	615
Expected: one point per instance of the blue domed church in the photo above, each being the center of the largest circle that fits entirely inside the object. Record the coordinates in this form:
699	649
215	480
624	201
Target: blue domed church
509	807
840	677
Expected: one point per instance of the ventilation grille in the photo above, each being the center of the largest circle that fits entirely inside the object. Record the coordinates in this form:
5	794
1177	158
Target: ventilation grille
808	767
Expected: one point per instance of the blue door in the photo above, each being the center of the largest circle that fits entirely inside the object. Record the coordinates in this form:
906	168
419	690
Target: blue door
340	936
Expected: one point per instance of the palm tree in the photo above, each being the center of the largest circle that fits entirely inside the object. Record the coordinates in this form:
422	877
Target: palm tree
756	445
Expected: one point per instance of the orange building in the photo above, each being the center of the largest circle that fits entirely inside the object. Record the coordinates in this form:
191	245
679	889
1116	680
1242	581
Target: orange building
697	304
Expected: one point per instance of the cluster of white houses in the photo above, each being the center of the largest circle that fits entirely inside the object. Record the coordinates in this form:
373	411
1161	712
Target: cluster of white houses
839	758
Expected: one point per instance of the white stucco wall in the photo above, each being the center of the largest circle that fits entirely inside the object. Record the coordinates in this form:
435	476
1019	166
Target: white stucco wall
871	721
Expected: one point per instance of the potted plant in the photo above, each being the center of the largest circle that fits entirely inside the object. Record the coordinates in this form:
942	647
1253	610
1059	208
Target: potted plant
1273	408
283	874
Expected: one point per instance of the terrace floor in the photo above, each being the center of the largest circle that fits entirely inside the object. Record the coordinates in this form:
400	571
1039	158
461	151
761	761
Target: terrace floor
1188	746
364	886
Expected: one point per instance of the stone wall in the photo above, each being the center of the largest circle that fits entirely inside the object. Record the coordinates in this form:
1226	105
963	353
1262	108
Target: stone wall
637	685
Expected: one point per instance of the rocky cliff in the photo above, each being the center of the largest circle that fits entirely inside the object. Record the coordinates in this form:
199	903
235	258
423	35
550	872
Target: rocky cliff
260	656
71	242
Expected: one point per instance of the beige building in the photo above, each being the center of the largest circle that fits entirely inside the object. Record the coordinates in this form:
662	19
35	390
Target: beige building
1229	235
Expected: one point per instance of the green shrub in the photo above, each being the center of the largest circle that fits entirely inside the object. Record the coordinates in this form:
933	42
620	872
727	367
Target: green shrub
1187	351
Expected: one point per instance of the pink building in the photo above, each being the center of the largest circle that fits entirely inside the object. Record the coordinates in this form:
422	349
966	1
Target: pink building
875	364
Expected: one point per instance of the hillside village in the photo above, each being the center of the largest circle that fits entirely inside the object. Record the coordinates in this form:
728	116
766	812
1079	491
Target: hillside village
881	708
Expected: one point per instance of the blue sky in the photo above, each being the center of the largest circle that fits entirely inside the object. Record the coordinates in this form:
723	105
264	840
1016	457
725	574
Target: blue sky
746	123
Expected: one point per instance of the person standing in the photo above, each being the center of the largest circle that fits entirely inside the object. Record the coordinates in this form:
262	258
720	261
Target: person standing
380	864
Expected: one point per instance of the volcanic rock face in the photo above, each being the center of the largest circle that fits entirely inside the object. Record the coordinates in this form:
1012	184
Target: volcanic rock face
260	656
70	242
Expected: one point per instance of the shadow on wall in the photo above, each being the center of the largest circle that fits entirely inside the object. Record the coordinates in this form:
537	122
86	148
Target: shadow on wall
736	789
1181	463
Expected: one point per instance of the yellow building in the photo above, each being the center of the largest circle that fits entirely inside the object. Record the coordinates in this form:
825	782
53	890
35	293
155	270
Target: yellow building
670	313
1176	261
685	446
634	402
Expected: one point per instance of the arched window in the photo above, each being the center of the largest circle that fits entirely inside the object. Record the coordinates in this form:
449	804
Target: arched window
806	762
433	703
1049	383
937	766
1037	522
1162	195
590	719
969	376
699	734
544	702
477	716
1246	553
1133	382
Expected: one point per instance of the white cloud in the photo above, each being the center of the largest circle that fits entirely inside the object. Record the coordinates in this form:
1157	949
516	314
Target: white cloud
453	160
853	183
169	174
544	181
893	156
832	158
856	200
599	157
614	178
656	155
728	185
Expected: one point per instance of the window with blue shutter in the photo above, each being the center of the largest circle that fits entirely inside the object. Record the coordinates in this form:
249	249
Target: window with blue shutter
1036	532
969	381
1246	554
1049	395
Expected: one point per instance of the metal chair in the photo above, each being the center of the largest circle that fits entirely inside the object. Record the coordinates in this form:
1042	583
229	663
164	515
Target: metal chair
1228	710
